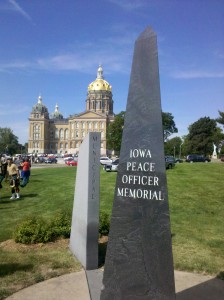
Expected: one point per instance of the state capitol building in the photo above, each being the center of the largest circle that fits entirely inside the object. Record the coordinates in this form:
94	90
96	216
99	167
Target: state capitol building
52	133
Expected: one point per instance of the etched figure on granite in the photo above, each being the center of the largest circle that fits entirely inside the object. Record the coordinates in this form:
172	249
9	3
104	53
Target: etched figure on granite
139	263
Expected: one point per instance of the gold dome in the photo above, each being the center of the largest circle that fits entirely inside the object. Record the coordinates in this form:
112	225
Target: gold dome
99	84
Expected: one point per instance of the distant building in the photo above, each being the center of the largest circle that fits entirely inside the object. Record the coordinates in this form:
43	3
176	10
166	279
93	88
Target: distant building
55	134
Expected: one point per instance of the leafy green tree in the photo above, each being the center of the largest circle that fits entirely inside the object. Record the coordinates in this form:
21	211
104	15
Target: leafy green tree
8	141
173	147
220	120
202	134
115	129
169	126
114	132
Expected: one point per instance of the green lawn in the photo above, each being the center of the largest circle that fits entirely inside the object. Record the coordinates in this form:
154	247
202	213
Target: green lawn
196	200
196	196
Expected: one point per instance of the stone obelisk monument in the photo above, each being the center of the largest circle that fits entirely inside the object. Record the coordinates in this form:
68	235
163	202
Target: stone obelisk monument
85	216
139	263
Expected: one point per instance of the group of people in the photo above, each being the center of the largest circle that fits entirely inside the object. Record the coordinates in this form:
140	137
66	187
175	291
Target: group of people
17	174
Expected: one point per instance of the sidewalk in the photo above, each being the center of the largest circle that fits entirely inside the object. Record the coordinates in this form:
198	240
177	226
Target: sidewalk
74	286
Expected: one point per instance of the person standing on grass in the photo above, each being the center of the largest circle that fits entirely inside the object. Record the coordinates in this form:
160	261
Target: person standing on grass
25	172
14	178
3	170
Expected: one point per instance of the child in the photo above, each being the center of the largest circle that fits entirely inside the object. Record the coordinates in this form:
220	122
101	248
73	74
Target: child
14	178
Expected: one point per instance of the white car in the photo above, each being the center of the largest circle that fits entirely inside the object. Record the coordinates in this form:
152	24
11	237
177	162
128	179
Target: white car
105	160
68	158
113	166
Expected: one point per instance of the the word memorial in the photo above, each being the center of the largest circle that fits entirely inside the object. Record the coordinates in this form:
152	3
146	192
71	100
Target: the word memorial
141	178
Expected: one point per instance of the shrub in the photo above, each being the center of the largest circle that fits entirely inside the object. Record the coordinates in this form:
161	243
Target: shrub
33	230
104	226
61	224
36	230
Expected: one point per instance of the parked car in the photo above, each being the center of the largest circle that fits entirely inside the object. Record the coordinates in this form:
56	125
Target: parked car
178	160
105	160
51	160
169	162
113	166
68	158
71	163
39	160
197	158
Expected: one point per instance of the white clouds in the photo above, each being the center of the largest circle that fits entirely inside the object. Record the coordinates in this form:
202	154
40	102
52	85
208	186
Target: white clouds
196	74
82	62
17	8
20	65
13	6
129	4
6	110
114	51
219	54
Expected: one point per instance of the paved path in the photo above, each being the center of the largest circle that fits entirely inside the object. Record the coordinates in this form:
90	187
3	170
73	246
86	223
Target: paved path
74	286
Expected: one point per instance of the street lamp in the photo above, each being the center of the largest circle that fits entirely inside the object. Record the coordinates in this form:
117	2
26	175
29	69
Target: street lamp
180	150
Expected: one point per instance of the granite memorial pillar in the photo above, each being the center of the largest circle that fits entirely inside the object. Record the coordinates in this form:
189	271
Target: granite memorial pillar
85	218
139	263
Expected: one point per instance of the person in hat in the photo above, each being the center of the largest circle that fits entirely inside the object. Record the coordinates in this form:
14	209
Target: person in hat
14	178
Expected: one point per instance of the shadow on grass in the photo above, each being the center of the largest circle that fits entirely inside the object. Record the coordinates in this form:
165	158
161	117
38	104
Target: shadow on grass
221	276
7	269
6	200
35	180
102	249
29	196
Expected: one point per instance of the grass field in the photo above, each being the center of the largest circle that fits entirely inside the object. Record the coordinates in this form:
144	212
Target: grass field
196	200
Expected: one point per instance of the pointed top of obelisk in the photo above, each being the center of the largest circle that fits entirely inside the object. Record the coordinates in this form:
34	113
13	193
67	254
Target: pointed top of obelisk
148	32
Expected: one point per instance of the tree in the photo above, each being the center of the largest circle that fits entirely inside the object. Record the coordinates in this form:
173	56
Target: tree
115	129
114	132
173	147
202	134
8	141
169	126
220	120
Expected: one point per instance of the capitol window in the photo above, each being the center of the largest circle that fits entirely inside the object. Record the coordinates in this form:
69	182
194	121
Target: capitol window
61	133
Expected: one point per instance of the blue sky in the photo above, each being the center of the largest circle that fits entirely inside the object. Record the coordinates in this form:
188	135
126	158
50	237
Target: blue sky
54	47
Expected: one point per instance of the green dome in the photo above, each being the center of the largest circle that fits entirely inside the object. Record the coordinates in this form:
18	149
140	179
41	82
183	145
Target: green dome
56	114
39	107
